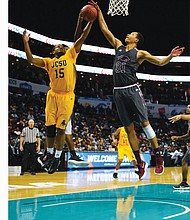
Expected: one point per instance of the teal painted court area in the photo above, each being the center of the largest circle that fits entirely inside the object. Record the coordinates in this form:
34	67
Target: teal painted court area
153	201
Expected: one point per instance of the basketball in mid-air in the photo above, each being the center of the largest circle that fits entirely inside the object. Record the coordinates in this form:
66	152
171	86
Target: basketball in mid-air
89	13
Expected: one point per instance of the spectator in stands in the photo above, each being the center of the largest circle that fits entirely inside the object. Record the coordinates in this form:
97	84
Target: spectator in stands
177	156
14	153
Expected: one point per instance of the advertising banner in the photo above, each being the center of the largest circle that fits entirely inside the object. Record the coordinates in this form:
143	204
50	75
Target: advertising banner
104	160
95	102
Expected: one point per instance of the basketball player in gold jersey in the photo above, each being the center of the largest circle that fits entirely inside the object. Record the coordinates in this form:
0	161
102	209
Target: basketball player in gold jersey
60	98
123	148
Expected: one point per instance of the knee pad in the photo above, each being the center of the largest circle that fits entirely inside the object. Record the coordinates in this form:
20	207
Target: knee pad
149	132
51	131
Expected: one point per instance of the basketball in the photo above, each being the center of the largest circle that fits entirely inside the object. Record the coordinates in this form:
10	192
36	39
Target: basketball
89	13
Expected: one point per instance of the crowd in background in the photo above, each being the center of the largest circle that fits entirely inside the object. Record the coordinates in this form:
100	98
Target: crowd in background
101	86
92	127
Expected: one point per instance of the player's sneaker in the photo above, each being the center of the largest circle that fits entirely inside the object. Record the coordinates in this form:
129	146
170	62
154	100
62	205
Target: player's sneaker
54	165
137	172
159	170
142	169
45	161
182	185
77	161
115	175
41	160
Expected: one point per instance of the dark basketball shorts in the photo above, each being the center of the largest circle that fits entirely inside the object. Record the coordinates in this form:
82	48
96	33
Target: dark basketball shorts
186	157
130	104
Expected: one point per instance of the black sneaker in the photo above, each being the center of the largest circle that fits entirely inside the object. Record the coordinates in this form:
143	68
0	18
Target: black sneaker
137	172
75	160
22	173
54	165
115	175
41	159
45	161
182	185
33	173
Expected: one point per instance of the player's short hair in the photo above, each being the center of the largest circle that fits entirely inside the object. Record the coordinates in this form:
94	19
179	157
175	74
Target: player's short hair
59	44
140	38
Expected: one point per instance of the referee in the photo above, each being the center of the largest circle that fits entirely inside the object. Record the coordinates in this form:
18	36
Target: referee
29	144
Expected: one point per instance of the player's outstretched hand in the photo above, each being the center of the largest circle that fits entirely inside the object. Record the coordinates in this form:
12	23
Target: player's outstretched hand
174	118
174	138
25	36
177	51
95	4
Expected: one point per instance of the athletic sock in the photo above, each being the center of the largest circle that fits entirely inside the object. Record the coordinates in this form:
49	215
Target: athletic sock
58	153
157	151
137	156
115	171
50	150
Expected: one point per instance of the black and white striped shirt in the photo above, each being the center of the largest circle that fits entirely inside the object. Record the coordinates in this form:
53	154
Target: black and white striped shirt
30	135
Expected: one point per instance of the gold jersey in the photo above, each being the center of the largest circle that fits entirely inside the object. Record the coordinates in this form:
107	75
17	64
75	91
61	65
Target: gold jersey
62	71
123	138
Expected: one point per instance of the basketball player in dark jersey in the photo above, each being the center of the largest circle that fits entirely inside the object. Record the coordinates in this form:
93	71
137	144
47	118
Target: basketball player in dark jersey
127	94
186	158
60	98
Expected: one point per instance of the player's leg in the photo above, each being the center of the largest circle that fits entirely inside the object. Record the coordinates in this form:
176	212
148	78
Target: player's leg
120	153
185	162
64	103
69	140
150	134
74	158
142	165
60	141
115	174
184	171
130	155
50	122
45	160
123	99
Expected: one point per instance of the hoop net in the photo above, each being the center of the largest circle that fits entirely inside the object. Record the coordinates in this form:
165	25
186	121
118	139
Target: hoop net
118	7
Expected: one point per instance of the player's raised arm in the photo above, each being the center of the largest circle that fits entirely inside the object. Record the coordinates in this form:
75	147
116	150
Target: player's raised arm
144	55
179	117
104	28
78	30
81	39
35	61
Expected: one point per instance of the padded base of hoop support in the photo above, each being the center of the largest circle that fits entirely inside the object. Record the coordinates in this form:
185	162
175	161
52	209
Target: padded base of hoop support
14	170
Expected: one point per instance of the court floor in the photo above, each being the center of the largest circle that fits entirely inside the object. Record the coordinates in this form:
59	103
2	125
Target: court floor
95	195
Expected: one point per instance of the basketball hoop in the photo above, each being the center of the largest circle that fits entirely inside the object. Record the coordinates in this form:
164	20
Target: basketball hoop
118	7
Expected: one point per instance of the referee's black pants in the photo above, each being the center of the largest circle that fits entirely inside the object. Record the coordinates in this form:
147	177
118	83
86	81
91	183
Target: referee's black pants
29	157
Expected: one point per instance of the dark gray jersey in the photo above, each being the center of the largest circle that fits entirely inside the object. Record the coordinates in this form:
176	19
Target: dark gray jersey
125	67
